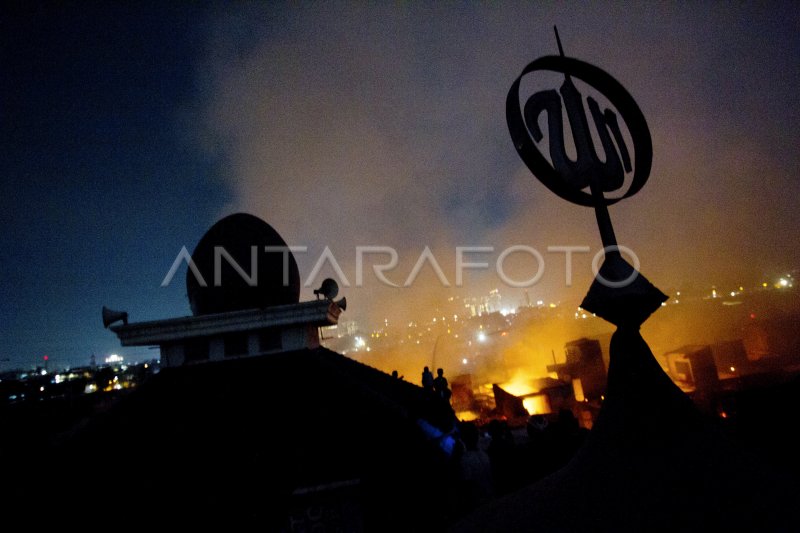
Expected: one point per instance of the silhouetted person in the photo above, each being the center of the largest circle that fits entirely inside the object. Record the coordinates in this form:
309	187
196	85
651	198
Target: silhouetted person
394	375
539	454
427	379
440	385
501	454
569	436
474	470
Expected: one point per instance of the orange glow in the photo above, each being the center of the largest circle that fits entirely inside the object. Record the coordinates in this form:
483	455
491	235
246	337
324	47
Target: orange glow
518	388
577	389
517	354
467	416
520	384
537	405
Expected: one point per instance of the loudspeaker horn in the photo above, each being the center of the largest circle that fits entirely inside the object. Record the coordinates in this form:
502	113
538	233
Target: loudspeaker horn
329	289
342	304
109	317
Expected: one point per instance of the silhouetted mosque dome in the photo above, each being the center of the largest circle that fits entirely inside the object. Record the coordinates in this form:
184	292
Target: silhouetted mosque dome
230	291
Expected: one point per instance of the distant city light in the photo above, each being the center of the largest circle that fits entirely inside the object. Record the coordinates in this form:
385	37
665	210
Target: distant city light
733	369
482	336
464	361
113	358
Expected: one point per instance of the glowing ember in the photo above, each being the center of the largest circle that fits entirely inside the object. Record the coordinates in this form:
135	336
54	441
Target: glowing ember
520	384
518	388
467	416
537	405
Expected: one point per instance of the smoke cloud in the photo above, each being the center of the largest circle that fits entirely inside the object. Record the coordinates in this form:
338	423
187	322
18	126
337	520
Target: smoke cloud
346	125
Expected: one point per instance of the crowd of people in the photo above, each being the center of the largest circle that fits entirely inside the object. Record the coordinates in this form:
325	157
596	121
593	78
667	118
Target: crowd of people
491	460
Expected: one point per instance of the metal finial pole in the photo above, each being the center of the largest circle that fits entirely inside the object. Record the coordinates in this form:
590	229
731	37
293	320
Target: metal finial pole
558	40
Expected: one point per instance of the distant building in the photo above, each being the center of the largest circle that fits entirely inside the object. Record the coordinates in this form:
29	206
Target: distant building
493	301
545	396
479	306
584	368
692	368
463	397
773	337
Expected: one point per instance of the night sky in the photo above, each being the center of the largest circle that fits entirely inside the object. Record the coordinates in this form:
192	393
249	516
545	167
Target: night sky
127	131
